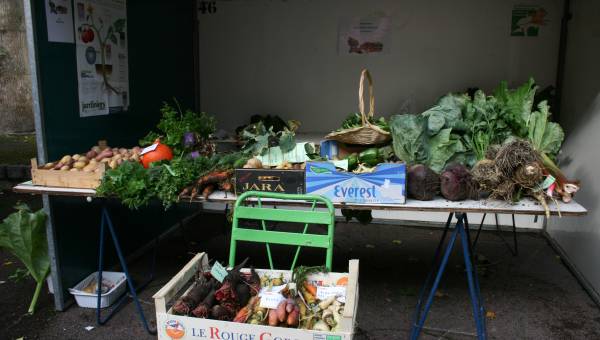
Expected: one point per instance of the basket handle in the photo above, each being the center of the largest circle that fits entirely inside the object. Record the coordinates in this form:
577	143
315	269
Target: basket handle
361	102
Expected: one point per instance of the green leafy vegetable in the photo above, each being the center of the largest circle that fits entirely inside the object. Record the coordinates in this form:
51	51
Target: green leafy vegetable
130	182
175	123
258	139
409	138
412	144
167	180
354	120
443	147
515	106
546	137
23	233
447	114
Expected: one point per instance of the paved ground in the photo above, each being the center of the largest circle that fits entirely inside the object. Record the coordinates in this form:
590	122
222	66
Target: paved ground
532	296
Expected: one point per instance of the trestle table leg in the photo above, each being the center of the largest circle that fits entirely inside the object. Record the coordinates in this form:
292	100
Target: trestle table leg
514	250
461	228
107	223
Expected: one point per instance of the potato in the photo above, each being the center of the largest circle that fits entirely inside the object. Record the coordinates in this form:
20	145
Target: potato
96	149
122	151
117	156
49	166
74	169
76	157
105	160
83	159
64	168
91	154
90	167
113	164
66	159
79	165
93	161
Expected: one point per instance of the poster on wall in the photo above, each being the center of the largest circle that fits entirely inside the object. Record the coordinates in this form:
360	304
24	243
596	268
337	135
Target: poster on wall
59	21
364	35
527	20
102	58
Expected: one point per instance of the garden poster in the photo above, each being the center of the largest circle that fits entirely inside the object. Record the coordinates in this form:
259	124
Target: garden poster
527	20
102	58
364	35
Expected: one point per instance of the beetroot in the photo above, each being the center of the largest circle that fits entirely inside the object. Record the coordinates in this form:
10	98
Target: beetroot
456	182
422	182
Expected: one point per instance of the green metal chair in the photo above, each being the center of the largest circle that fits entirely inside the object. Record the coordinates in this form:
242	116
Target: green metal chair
263	235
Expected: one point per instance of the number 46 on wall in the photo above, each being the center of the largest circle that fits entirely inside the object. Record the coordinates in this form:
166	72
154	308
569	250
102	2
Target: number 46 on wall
207	7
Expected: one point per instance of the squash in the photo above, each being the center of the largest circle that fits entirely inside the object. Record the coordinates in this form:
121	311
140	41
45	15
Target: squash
161	152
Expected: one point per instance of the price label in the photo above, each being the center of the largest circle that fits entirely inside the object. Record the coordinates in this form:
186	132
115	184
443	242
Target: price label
270	299
218	271
149	148
324	292
548	182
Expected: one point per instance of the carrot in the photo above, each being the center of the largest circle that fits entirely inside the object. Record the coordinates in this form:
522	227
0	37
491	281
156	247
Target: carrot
214	177
209	189
311	289
226	186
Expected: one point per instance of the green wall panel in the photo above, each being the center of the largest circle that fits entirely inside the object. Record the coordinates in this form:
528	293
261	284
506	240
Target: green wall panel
161	67
160	38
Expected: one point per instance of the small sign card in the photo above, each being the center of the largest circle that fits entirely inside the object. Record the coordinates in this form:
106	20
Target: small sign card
270	297
218	271
149	148
324	292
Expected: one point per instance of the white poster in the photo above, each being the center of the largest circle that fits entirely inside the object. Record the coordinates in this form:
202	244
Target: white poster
102	58
59	20
364	35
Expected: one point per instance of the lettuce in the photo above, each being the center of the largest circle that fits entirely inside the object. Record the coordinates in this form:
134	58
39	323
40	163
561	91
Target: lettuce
515	106
546	137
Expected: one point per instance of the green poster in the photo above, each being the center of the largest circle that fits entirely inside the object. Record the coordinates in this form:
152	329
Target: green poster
527	20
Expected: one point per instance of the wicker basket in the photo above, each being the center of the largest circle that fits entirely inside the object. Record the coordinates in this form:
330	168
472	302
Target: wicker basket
367	134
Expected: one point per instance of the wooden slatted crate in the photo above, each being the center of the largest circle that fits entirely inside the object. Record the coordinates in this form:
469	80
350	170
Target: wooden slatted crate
66	179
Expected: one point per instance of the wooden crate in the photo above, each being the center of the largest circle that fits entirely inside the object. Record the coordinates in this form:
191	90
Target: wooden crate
66	179
170	326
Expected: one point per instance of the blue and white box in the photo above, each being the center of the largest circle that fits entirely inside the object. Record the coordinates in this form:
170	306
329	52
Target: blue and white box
386	184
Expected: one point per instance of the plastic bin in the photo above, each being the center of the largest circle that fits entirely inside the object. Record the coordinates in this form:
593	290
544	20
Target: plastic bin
88	300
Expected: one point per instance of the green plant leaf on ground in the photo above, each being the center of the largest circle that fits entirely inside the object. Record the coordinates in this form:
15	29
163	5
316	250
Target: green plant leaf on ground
23	233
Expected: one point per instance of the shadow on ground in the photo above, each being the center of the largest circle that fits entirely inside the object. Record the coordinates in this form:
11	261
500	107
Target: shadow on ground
532	296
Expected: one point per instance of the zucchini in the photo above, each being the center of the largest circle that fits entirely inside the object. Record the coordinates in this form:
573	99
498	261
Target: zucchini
370	157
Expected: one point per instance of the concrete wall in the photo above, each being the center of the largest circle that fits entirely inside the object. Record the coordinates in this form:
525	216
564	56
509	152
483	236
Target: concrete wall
580	115
16	112
281	57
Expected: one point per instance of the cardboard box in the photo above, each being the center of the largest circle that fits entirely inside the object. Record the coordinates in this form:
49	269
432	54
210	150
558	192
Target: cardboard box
282	181
170	326
387	184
